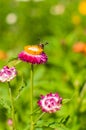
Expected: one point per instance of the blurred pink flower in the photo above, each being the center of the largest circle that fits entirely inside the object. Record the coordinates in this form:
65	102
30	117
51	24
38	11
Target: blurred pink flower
10	122
33	54
50	103
7	74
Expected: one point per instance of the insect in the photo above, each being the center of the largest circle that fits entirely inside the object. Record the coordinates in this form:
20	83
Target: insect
35	49
42	45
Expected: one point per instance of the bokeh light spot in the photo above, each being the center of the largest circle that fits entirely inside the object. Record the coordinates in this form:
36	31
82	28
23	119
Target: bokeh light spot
82	7
57	9
76	19
11	18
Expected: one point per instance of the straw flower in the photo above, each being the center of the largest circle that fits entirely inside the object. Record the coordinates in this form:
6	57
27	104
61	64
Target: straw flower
33	54
50	103
7	74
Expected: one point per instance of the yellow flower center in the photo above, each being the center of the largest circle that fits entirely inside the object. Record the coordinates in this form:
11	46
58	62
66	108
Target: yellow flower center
34	50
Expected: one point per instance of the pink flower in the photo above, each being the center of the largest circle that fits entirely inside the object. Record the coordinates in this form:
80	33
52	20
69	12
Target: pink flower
33	54
50	103
7	74
10	122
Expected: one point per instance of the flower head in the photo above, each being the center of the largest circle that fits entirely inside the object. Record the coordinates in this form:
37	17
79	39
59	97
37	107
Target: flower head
50	103
7	74
33	54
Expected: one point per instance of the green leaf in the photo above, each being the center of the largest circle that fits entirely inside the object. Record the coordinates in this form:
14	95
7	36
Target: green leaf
4	103
21	85
13	61
64	101
66	120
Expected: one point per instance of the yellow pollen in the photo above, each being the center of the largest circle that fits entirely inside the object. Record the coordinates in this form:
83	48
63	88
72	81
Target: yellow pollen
34	50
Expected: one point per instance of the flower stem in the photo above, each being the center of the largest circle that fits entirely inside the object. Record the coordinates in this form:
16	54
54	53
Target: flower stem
12	107
34	111
39	117
31	96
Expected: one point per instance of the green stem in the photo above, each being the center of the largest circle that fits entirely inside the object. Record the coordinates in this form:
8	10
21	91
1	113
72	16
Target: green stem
12	107
31	96
39	117
34	111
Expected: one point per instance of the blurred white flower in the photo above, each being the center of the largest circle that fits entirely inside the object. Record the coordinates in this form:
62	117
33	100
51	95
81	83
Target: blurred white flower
57	9
11	18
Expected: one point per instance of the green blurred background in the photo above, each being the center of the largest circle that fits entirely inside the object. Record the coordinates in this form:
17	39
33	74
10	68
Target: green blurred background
61	23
